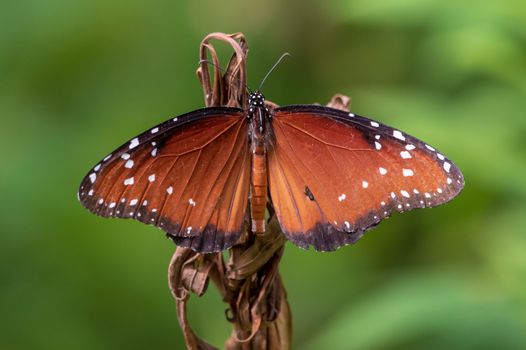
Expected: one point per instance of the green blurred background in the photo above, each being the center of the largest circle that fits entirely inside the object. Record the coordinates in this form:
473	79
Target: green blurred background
78	78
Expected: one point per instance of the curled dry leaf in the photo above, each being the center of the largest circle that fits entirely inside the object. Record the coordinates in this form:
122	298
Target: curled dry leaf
341	102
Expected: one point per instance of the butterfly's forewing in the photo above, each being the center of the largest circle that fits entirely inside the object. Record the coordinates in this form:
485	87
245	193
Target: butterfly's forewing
333	174
188	176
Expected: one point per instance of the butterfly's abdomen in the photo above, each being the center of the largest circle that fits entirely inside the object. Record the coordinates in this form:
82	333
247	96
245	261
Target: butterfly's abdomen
259	181
258	191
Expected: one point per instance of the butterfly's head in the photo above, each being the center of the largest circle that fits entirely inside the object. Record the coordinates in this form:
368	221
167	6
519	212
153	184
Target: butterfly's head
256	100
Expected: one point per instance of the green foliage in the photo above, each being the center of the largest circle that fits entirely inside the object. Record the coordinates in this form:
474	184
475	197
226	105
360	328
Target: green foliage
79	78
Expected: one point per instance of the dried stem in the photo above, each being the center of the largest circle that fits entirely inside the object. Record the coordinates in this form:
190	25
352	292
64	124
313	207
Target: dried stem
249	282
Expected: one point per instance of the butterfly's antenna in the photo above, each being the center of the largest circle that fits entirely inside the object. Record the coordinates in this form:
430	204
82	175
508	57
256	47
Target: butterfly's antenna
286	54
224	72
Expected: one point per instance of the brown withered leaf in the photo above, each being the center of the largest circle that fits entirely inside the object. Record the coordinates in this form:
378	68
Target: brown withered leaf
341	102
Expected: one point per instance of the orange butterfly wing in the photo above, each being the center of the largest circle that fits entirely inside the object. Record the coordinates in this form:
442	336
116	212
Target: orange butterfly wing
188	176
333	175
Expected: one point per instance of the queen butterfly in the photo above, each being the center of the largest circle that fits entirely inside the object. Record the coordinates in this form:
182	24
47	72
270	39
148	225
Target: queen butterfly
330	175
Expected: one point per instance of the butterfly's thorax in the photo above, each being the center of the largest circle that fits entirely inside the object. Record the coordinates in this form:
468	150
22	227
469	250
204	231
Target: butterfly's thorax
258	115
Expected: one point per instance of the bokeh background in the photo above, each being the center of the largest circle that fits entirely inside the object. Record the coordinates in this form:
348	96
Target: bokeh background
78	78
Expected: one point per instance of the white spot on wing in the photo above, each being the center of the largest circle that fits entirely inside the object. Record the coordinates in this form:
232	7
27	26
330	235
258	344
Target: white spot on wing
134	143
449	181
447	166
382	171
128	181
407	172
375	124
154	152
151	178
347	224
107	157
145	202
97	167
430	148
125	156
405	193
90	193
397	134
377	145
405	155
410	147
129	164
191	202
174	119
92	177
342	197
189	229
440	156
170	190
154	130
377	137
112	205
365	184
351	114
439	190
134	201
427	195
101	201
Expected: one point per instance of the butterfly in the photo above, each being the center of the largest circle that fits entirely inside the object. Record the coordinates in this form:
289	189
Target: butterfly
328	175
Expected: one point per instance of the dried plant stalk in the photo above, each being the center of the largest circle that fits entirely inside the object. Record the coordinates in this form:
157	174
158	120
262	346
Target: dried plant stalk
249	282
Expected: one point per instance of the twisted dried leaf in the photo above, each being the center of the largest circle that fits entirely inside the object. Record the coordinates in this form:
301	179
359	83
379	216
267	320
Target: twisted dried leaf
341	102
